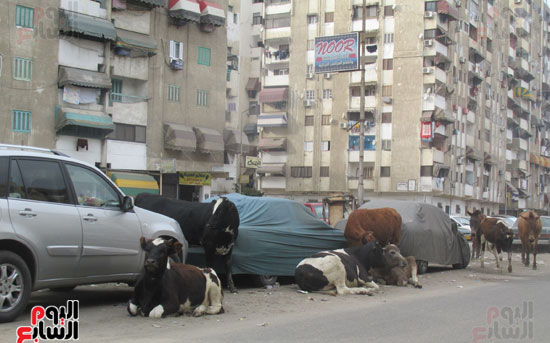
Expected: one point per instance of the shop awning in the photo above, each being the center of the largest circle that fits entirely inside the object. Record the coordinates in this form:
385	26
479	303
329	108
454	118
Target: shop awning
272	144
154	3
208	140
253	84
83	78
86	25
179	137
251	129
211	13
272	168
83	125
185	9
134	183
534	159
271	95
276	119
135	41
443	7
235	141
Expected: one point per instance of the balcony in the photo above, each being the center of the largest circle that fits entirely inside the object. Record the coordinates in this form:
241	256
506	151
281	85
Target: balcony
520	164
471	117
278	32
440	102
88	7
123	107
276	81
470	141
277	58
468	190
371	76
475	73
523	27
428	103
440	76
371	25
441	49
271	9
520	144
233	83
370	102
368	156
524	124
521	9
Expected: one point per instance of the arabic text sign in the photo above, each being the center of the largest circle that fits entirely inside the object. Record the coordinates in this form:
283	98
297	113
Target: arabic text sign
337	53
195	179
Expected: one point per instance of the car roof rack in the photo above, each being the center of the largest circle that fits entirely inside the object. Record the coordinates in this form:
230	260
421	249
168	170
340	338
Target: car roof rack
31	148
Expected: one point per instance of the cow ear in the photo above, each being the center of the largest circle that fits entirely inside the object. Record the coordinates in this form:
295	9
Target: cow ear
143	243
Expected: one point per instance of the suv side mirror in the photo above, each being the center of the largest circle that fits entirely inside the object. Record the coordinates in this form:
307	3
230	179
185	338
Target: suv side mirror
127	204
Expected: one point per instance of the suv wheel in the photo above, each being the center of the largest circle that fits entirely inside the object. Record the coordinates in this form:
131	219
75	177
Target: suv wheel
15	286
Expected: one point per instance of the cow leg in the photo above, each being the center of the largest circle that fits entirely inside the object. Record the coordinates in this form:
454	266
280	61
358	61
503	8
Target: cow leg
369	284
535	243
495	252
482	242
343	289
228	271
523	249
527	252
510	261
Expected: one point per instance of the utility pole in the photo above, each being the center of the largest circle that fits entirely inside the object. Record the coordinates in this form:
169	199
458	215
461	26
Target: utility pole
240	159
360	188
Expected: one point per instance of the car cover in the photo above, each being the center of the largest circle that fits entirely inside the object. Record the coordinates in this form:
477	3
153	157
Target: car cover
427	233
275	234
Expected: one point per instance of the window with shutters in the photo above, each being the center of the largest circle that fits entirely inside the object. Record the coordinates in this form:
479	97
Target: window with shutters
386	117
327	93
426	171
116	91
24	16
387	91
385	171
174	93
22	69
386	144
325	119
176	50
388	11
329	17
204	56
312	19
324	172
202	98
20	121
387	64
308	121
301	172
325	145
128	133
310	94
257	19
308	146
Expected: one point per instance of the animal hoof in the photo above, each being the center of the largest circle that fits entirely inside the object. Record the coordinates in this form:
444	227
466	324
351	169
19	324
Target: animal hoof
132	309
534	267
233	290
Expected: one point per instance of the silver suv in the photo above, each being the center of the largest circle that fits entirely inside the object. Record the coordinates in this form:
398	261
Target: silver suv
63	223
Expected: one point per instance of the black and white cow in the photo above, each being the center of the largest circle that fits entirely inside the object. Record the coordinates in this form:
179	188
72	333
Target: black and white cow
166	287
346	270
214	225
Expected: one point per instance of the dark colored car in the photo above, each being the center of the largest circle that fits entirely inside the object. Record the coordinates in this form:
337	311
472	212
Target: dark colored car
275	234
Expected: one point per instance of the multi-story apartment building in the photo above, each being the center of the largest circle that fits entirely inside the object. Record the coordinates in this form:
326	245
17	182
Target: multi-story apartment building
135	86
452	99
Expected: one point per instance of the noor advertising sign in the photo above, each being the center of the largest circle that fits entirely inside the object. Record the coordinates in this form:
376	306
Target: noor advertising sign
337	53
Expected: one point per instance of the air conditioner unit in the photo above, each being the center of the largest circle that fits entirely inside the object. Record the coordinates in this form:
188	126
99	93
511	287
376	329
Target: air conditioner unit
387	100
176	64
517	1
309	75
458	3
328	76
462	59
308	102
502	129
429	14
427	70
500	172
343	125
503	107
460	160
428	42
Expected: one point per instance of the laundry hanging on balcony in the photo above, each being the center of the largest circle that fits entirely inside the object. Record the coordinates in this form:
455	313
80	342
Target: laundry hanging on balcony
426	131
524	93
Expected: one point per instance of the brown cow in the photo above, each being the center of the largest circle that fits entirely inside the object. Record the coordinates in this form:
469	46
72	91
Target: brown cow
383	223
398	275
529	229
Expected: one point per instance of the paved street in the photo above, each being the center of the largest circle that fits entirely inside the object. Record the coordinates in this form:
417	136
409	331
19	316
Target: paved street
453	306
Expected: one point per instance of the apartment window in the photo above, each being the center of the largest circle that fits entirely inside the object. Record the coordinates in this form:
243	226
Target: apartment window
283	71
426	170
310	68
174	93
116	90
388	38
229	8
325	145
277	20
387	91
386	144
358	11
235	18
329	17
325	119
385	171
308	146
128	133
327	93
20	121
387	64
386	117
257	19
489	45
368	173
204	56
310	94
369	91
22	69
232	106
431	6
24	16
228	116
388	11
202	98
312	19
304	172
176	50
311	44
324	172
308	121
